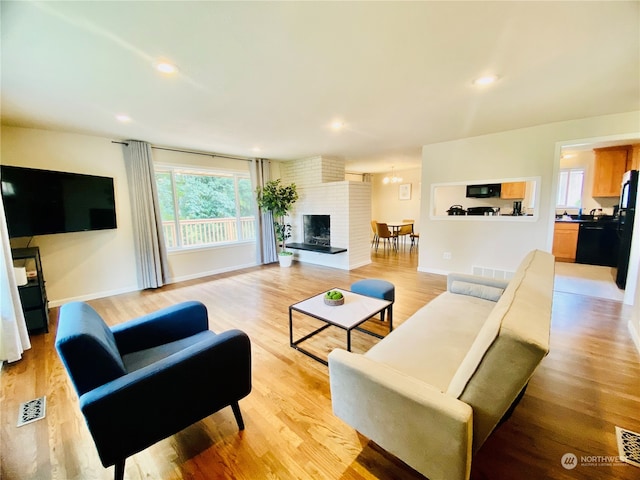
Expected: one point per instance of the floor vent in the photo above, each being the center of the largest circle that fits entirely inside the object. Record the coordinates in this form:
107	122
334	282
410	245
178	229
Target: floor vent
628	446
32	410
492	273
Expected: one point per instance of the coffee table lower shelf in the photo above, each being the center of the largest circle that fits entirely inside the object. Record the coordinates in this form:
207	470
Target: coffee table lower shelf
359	309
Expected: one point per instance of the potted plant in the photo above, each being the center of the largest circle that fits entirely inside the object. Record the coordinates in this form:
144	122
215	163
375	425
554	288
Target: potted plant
278	199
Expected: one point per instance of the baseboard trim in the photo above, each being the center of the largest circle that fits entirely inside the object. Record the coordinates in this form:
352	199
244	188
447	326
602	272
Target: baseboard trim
209	273
437	271
93	296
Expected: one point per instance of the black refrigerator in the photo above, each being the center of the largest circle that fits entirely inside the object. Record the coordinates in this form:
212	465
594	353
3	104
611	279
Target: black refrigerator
626	216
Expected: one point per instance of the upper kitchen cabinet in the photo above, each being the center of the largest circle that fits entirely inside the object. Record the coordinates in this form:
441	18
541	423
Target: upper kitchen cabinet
513	190
609	167
633	158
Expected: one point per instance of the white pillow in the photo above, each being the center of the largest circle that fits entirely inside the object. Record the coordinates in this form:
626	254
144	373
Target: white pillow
476	290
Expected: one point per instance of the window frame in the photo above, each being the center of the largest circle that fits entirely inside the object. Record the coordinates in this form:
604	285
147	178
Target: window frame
236	175
569	171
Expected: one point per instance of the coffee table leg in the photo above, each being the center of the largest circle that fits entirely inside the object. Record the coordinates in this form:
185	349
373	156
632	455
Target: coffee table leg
290	328
349	340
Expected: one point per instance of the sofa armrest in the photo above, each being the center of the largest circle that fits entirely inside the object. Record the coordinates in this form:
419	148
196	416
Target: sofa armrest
427	429
160	327
138	409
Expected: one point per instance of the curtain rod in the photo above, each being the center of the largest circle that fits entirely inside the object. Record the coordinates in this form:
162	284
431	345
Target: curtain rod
191	152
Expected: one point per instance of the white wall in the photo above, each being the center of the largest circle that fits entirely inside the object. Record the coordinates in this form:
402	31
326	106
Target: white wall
387	207
528	152
79	265
86	265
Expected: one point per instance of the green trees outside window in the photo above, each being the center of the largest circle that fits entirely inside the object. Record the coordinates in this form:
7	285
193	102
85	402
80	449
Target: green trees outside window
200	208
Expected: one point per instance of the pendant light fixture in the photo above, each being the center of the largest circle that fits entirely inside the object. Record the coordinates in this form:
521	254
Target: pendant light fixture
392	178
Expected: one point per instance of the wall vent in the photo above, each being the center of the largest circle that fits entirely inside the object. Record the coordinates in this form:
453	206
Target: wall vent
493	273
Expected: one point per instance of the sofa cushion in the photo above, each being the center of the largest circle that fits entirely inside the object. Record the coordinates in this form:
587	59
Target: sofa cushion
476	290
433	342
137	360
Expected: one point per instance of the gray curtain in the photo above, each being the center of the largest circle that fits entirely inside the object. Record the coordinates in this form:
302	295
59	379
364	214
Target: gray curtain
151	253
266	251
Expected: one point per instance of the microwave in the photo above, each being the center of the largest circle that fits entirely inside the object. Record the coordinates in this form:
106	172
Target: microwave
483	191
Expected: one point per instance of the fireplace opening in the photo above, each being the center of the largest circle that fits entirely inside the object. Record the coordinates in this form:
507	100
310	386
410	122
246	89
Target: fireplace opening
317	230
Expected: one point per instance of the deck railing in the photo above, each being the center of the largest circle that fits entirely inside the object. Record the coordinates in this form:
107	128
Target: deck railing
209	231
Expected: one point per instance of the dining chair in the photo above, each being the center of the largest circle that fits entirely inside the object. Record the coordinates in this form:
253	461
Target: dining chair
374	240
406	230
387	236
415	240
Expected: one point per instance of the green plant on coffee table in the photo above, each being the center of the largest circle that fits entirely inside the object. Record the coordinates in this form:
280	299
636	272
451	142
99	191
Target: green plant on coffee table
333	295
278	199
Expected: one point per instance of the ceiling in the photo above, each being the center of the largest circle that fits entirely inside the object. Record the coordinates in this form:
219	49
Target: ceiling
275	75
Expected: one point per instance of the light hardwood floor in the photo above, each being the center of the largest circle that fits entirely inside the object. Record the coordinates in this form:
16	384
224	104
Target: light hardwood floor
588	384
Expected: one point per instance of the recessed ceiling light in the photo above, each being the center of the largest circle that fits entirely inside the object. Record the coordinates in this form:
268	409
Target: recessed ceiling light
166	67
337	124
121	117
256	149
486	80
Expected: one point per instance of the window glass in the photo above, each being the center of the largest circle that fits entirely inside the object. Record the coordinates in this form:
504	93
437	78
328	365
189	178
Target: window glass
570	183
200	208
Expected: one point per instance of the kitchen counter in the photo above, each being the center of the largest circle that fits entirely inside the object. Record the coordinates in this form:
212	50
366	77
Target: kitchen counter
585	219
596	242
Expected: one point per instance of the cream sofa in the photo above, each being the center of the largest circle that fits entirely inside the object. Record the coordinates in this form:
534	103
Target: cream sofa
433	390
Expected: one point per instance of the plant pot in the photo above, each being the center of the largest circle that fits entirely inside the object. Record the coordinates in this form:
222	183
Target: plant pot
285	259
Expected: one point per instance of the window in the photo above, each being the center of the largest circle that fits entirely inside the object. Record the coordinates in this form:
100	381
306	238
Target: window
570	188
205	207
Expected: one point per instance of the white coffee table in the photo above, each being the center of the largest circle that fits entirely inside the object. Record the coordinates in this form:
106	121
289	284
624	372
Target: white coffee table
356	310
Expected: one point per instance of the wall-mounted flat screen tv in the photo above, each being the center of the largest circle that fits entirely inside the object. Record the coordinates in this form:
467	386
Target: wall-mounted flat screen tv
41	202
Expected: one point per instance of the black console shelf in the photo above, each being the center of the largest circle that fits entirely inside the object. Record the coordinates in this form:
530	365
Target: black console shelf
316	248
33	295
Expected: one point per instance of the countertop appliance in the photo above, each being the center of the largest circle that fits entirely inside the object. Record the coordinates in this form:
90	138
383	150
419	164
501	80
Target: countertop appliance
482	210
484	191
456	210
626	215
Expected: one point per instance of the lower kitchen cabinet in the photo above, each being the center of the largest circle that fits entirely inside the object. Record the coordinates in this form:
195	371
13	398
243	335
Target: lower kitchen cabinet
565	241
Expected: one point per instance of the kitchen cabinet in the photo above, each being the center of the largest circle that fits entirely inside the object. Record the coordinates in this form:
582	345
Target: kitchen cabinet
633	159
565	241
609	166
513	190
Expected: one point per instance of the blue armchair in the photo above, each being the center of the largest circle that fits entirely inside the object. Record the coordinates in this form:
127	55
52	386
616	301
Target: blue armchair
147	379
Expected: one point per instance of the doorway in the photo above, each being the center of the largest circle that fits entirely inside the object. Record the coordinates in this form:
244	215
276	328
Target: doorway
579	154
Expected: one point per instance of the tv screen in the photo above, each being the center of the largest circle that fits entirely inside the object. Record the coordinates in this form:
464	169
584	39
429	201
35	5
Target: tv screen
41	202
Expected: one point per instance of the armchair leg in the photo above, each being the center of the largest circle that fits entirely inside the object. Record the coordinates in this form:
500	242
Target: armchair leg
236	412
119	470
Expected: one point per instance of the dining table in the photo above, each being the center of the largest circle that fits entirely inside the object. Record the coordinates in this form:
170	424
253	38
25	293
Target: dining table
395	227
